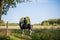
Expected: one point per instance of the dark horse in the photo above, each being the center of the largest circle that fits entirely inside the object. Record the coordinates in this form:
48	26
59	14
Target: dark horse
23	27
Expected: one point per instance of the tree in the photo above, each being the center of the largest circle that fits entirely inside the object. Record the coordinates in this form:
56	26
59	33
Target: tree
2	23
6	4
27	18
52	22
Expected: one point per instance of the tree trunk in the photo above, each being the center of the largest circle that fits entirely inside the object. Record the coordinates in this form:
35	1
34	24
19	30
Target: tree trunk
1	5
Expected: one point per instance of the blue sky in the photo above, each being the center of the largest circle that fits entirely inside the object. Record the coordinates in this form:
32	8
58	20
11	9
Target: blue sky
37	10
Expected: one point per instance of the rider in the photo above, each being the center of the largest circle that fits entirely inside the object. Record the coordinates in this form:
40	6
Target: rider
25	22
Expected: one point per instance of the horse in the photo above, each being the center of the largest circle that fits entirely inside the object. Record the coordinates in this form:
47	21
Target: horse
27	26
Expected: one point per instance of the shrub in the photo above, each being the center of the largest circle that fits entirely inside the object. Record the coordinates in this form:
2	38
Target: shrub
4	37
46	35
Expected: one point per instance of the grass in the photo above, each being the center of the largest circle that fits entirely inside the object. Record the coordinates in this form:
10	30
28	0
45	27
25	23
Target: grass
38	34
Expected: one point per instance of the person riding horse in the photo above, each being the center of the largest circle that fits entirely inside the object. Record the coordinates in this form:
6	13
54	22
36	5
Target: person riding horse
25	23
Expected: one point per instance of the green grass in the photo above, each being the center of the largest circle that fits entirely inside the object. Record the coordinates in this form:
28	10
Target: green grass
38	34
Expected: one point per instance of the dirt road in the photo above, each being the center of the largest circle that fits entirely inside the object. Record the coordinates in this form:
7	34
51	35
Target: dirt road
34	27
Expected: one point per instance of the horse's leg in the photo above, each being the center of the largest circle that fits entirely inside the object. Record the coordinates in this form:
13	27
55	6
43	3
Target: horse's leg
30	28
22	32
30	31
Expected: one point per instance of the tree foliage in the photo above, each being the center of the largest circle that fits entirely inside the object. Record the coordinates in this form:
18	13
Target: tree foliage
2	23
27	18
10	3
12	24
6	4
54	22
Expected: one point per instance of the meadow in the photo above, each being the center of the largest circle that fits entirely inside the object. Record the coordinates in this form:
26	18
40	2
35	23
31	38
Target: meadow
38	34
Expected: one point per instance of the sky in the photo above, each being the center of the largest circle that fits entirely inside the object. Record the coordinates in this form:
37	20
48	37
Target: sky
37	10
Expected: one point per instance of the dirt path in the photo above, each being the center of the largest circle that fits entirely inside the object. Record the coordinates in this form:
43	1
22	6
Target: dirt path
34	27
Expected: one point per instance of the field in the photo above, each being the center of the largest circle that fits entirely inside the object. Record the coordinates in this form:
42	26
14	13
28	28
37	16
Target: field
34	27
38	34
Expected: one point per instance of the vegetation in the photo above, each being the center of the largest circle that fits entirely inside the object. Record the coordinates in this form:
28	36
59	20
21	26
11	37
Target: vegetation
38	34
46	34
4	37
2	23
50	22
27	18
36	24
6	4
12	24
53	22
9	24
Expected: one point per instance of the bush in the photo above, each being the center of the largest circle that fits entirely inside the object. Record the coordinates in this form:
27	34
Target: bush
4	37
46	35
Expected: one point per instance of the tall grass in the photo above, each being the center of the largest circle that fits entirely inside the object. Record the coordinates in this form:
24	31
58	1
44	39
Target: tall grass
38	34
46	34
